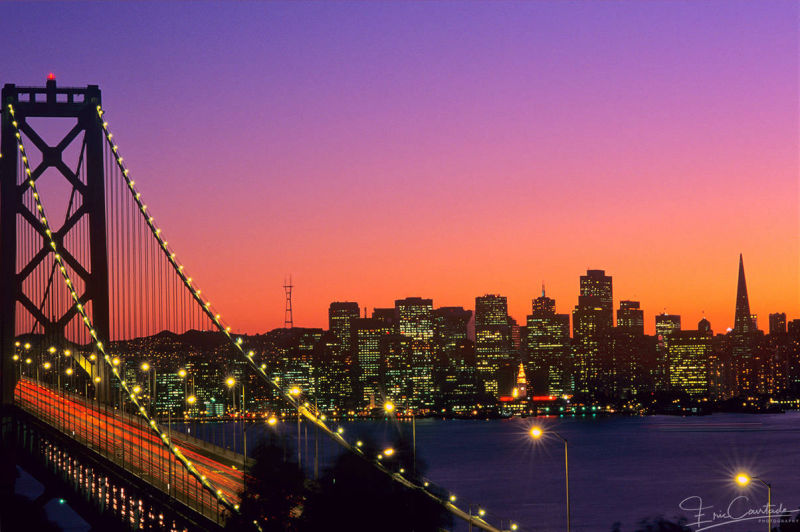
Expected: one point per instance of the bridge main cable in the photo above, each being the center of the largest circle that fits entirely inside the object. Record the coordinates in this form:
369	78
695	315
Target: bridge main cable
153	424
304	407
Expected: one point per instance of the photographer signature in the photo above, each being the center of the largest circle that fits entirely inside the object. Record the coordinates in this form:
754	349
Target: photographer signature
738	510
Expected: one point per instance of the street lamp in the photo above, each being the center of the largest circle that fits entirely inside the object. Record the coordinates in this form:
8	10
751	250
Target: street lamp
191	400
743	479
151	385
389	407
536	433
230	382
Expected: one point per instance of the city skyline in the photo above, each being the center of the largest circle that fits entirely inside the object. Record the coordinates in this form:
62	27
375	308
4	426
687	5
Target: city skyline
649	325
371	158
399	266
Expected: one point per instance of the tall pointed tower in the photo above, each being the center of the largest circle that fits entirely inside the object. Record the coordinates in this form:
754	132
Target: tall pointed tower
742	322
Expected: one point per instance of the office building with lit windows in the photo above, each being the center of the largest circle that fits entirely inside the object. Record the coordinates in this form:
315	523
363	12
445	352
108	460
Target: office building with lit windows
369	334
415	320
688	354
547	349
493	346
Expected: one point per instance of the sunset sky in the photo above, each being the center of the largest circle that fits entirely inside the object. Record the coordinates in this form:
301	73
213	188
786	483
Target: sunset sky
448	150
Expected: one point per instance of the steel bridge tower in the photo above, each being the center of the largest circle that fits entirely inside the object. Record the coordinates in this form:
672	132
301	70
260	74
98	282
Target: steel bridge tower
50	101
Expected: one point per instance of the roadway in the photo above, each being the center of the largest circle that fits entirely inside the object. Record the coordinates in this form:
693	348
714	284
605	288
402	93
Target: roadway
128	441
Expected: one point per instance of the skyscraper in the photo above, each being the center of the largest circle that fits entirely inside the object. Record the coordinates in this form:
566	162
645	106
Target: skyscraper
689	353
631	368
666	325
742	321
340	322
454	377
590	343
746	368
415	321
592	321
597	284
492	339
547	348
368	335
343	369
415	318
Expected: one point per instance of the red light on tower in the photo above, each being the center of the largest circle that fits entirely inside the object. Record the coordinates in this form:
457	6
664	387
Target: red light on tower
51	77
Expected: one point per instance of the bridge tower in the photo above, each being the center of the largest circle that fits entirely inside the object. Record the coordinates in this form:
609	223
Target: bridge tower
79	103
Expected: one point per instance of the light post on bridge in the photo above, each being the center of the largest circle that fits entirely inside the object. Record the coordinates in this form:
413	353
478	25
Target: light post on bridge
151	385
389	407
230	382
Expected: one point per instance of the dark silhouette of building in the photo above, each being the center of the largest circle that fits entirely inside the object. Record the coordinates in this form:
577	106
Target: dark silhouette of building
747	366
630	317
455	376
633	366
777	323
388	316
743	320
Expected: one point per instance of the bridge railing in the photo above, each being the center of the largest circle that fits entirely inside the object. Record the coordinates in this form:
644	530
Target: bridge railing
126	440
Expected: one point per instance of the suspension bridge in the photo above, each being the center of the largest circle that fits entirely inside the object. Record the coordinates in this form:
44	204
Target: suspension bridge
79	290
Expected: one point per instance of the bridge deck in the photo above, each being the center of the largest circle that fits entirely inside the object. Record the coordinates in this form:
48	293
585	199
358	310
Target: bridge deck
128	441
